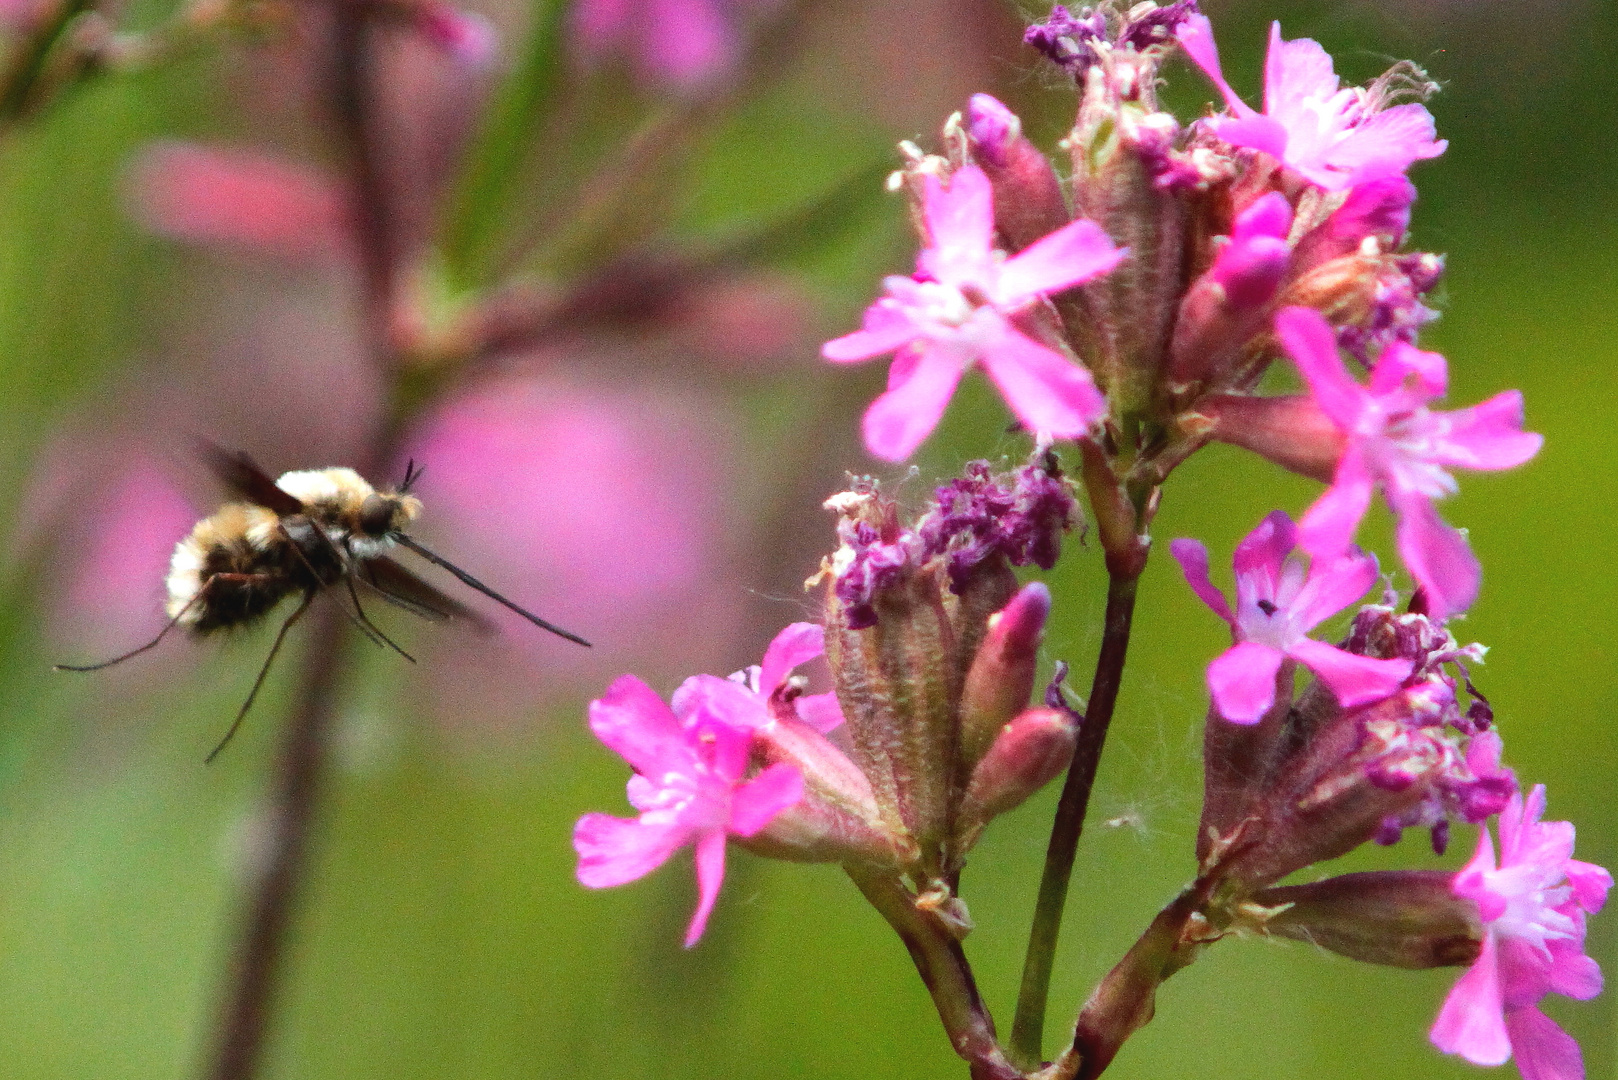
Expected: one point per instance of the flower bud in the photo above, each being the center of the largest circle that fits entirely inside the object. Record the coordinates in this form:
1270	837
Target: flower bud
1029	753
1028	200
1401	918
1001	677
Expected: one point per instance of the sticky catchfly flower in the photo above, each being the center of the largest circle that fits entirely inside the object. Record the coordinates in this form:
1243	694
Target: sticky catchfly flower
1533	905
755	696
1336	137
1391	438
957	311
689	785
1277	604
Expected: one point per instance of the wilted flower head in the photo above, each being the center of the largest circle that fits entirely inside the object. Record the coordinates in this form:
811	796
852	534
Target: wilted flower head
1533	904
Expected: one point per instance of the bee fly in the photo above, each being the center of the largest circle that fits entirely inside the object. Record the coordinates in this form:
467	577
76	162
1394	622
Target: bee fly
302	535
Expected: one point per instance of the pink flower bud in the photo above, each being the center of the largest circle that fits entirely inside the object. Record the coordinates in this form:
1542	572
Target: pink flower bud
1028	200
465	36
1001	677
1029	753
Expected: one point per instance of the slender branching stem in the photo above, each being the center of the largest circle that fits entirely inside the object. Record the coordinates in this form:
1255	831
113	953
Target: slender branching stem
1028	1026
303	762
942	965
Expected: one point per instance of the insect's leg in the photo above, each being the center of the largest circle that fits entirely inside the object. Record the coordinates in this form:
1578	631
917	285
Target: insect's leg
367	625
161	634
280	636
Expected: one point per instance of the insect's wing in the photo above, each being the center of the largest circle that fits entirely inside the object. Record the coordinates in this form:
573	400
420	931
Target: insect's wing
242	477
408	591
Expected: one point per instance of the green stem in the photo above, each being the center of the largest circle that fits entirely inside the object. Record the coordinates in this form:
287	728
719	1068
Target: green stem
942	964
1027	1029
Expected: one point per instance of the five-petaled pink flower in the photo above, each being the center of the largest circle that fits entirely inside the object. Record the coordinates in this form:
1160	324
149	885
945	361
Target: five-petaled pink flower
957	310
1277	605
1391	438
1336	137
689	785
1533	906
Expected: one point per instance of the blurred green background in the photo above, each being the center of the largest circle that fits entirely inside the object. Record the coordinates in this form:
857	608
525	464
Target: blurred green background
441	933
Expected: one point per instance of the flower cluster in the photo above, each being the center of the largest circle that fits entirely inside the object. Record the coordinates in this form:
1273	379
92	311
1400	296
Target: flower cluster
1128	305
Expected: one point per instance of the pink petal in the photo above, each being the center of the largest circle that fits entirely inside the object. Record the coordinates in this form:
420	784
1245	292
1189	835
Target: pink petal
1402	360
798	644
1331	587
1572	973
1242	681
960	224
633	721
1436	555
1378	208
1073	254
710	859
1309	340
1590	884
820	711
1294	73
898	421
1386	144
710	698
1193	559
1328	527
1260	558
1254	131
1047	392
1471	1023
1197	39
886	328
242	198
1488	435
615	851
1353	680
1472	881
757	802
1544	1051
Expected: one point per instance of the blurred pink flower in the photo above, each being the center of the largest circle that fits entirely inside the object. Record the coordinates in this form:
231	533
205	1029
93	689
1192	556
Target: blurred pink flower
1277	605
689	787
1533	906
1337	138
1391	438
548	490
683	42
956	311
237	198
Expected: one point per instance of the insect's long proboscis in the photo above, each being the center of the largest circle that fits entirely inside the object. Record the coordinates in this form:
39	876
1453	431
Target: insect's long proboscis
473	583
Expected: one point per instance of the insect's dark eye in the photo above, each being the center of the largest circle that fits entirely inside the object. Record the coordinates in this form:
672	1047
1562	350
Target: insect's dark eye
376	515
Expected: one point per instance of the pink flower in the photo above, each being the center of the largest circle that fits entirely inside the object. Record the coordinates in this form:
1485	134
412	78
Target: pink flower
956	311
683	42
688	786
1392	438
1276	607
1533	906
1337	138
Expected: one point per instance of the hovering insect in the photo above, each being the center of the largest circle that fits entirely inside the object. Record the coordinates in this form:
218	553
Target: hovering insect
301	535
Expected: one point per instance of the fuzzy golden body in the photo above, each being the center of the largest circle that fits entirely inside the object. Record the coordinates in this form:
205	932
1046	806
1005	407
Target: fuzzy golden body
240	562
